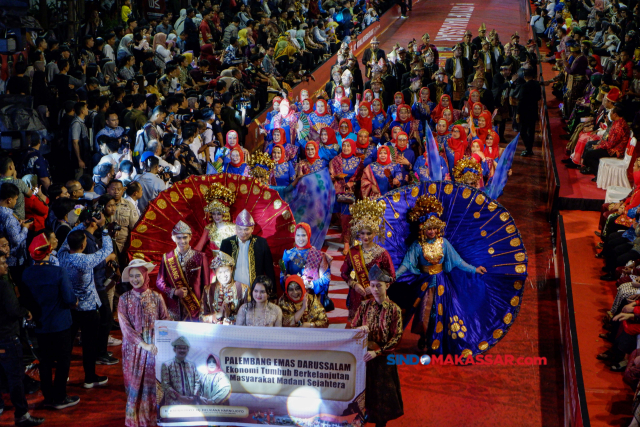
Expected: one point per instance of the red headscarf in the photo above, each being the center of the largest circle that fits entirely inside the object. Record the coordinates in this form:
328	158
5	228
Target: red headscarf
227	140
448	121
283	135
408	119
239	150
276	99
40	247
436	114
599	68
296	279
365	122
335	93
384	113
394	141
401	149
362	131
310	110
314	158
446	129
326	108
428	93
493	151
481	109
217	369
352	144
385	148
283	156
401	96
459	145
469	101
331	136
307	230
145	277
348	122
345	100
482	132
364	95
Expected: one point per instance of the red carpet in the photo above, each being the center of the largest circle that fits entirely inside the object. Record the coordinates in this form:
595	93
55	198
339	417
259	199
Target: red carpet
446	396
609	400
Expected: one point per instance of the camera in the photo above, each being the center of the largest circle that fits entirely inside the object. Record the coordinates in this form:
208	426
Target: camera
96	212
28	324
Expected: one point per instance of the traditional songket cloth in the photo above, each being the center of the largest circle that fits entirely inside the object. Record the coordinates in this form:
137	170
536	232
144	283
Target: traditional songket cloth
237	168
280	138
421	167
309	262
429	260
349	165
311	164
330	148
368	152
215	295
419	109
314	313
408	125
138	310
214	386
318	121
378	121
189	270
377	177
348	135
383	398
442	138
366	214
283	173
349	114
337	99
398	100
180	376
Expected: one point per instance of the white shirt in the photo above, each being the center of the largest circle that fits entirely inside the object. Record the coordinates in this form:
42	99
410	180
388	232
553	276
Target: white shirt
108	52
173	168
458	71
487	61
133	202
242	263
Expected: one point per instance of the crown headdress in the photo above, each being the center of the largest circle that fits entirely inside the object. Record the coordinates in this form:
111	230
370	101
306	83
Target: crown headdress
427	211
261	165
367	213
219	198
222	260
467	171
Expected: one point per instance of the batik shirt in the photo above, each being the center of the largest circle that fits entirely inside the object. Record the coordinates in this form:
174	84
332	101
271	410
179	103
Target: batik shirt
16	234
180	376
384	322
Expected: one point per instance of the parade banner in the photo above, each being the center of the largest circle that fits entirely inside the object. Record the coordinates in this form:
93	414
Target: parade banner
241	376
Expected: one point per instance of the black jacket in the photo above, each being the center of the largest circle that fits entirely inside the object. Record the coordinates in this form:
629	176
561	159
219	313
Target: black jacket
11	312
259	256
465	65
530	94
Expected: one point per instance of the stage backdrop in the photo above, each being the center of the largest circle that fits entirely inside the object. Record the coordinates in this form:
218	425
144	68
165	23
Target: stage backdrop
278	376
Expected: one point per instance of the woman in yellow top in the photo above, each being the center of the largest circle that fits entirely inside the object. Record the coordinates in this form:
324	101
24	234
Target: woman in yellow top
300	309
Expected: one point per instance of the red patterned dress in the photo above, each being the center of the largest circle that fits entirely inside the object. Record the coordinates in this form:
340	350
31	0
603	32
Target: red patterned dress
137	313
376	256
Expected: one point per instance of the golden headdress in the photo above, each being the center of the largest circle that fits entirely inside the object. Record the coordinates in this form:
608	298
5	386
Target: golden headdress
219	198
222	260
261	165
427	211
467	171
367	213
482	27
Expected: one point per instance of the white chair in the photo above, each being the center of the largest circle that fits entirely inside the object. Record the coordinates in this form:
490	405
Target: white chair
615	194
613	172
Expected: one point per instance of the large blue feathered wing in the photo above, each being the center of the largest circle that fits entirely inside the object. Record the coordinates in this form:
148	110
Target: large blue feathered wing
495	187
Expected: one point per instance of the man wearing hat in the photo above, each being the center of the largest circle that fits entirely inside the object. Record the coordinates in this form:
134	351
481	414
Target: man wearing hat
53	294
223	297
427	46
372	54
468	48
482	37
250	253
179	376
439	87
458	69
515	41
183	274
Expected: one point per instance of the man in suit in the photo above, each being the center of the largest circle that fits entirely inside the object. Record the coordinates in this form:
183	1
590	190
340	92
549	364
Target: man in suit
500	89
482	37
250	253
468	48
457	69
527	112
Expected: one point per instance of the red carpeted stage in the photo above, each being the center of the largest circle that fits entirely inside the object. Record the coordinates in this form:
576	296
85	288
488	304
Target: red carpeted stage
433	395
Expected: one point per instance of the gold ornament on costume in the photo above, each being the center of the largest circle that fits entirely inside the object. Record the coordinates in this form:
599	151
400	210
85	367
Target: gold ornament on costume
467	171
367	214
430	208
219	198
261	165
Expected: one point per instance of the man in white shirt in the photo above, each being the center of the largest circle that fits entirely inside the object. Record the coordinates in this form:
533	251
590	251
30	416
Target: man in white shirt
155	147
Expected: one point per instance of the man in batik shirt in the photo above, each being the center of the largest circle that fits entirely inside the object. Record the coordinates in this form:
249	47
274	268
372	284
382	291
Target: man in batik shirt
179	376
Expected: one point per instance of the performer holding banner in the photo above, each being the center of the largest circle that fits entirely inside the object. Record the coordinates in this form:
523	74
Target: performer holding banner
183	273
366	224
